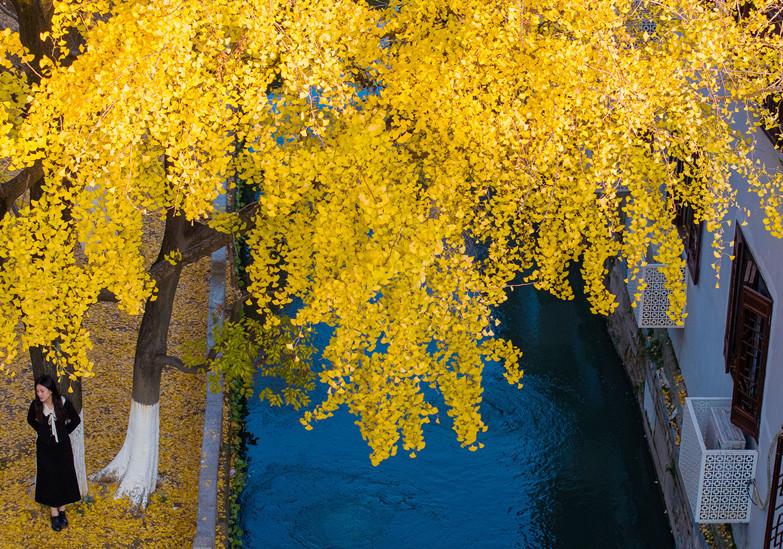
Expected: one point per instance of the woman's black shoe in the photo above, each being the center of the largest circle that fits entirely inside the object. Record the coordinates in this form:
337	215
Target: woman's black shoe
63	519
56	526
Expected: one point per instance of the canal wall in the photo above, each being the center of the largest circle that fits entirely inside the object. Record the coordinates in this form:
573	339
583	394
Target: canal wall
660	392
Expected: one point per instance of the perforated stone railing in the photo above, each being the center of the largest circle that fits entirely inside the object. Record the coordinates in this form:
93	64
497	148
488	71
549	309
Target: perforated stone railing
715	480
652	310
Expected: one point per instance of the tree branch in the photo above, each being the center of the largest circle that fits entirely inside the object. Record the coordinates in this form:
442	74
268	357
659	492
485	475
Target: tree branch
174	362
236	307
16	186
202	241
178	364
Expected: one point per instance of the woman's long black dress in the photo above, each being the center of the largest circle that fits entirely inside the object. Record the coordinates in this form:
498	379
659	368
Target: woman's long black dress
56	483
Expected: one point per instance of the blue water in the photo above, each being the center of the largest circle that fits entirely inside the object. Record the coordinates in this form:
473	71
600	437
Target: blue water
564	465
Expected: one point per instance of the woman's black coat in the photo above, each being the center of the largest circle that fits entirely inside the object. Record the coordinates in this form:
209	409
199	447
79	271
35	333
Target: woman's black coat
55	483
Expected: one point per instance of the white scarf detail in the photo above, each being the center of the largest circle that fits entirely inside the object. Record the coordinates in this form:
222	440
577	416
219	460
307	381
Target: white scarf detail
49	413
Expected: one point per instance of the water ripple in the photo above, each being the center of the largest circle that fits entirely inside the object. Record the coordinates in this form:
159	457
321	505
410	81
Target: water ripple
564	464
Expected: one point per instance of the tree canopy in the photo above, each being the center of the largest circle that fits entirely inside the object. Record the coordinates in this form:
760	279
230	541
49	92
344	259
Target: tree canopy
410	161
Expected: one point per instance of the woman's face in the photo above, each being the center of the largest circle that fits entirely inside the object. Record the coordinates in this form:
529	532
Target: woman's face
43	393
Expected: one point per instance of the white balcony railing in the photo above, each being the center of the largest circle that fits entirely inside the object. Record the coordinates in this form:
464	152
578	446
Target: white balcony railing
651	310
716	478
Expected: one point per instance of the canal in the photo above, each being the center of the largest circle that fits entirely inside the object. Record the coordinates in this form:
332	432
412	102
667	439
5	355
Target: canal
565	463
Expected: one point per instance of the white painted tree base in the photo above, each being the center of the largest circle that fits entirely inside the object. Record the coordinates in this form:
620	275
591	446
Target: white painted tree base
135	467
77	444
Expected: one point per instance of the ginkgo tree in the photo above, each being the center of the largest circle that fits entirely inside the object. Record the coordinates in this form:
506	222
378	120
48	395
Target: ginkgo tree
408	159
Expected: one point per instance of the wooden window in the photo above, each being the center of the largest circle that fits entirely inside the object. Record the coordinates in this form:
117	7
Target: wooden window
774	534
747	337
689	230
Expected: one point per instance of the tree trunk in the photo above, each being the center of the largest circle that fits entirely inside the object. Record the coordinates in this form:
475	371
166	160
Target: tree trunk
135	467
42	366
35	17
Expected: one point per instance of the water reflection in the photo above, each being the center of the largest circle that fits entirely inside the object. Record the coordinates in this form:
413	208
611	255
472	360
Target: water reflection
564	463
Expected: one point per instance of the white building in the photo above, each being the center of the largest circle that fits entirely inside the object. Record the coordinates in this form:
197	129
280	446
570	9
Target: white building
731	349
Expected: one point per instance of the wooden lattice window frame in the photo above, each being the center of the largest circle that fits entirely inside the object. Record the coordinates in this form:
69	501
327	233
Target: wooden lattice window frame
773	538
689	231
747	337
775	133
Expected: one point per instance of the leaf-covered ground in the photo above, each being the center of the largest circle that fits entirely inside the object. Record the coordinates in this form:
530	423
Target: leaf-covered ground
100	521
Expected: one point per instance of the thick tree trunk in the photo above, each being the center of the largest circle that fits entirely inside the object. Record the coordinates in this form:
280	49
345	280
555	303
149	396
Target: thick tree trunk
42	366
135	467
35	17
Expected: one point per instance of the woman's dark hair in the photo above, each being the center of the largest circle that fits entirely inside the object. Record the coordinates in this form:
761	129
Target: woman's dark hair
47	381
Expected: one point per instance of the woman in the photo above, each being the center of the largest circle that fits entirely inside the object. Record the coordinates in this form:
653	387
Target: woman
54	418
